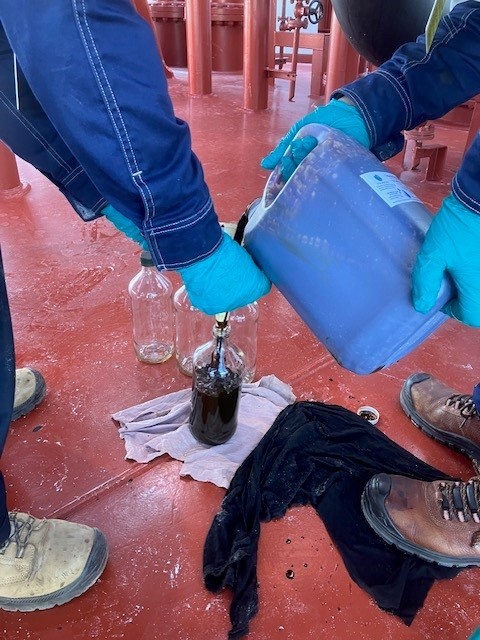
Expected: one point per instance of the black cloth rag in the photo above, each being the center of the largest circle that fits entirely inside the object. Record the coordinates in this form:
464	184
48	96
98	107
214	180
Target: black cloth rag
320	455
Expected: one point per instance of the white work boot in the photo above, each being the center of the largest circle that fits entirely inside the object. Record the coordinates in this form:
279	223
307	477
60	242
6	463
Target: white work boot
48	562
30	390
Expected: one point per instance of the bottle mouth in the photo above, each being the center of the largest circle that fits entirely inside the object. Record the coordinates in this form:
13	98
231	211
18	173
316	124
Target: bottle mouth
146	259
221	327
221	318
221	330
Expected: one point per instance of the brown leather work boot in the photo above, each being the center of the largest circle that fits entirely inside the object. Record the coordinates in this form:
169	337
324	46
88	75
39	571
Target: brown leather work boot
438	521
444	414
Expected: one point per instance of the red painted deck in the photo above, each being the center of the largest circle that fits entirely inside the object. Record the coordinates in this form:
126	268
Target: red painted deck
67	282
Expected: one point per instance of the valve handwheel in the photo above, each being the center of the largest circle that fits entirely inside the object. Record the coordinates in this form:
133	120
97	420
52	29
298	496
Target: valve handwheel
315	12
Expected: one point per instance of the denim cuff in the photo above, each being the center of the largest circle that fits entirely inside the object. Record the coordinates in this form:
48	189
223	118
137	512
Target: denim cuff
476	397
370	94
180	244
84	197
4	519
466	183
4	528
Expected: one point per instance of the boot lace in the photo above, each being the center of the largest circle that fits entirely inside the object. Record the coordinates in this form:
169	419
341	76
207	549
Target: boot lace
20	535
463	403
460	500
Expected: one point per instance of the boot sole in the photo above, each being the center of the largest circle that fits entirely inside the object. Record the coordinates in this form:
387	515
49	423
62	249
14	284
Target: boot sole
33	401
373	507
93	569
456	442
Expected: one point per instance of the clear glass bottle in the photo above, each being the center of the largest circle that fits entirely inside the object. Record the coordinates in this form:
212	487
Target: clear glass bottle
217	381
152	312
244	326
193	328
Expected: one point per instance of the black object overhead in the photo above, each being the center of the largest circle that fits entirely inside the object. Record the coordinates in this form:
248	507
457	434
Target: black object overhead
376	28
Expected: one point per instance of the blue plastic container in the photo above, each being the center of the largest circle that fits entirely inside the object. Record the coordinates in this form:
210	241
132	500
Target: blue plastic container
339	240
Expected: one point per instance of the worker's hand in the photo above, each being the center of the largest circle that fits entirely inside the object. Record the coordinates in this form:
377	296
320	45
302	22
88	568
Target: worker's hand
336	114
125	225
226	280
452	244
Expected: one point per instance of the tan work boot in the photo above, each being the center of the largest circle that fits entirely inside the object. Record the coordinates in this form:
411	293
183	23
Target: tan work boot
437	521
30	390
48	562
444	414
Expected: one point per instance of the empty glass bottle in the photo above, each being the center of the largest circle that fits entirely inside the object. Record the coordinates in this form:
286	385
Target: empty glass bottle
152	312
244	325
193	328
217	380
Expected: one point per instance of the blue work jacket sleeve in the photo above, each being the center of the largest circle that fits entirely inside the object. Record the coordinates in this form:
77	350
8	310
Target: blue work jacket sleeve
102	88
415	86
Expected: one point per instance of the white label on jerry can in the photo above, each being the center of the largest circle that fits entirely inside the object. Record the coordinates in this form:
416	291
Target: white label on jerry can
389	187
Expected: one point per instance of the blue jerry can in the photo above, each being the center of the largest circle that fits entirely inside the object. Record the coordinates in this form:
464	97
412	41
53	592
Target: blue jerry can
339	240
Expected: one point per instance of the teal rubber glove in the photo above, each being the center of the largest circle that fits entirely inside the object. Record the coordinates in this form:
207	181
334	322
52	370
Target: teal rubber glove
451	244
475	635
226	280
336	114
125	225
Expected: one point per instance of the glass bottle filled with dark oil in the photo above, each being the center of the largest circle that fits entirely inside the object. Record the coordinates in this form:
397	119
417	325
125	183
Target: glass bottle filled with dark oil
217	380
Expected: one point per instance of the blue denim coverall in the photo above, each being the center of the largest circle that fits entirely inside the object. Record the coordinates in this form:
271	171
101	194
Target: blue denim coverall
413	87
143	164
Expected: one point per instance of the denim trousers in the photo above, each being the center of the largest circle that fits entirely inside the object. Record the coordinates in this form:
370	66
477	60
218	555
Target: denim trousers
84	99
89	106
7	391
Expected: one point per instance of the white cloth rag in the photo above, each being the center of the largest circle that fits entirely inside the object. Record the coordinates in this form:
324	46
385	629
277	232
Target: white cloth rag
161	426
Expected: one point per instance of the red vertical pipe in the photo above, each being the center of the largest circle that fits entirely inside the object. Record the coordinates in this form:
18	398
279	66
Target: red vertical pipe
9	178
272	28
198	16
324	24
10	185
255	54
343	60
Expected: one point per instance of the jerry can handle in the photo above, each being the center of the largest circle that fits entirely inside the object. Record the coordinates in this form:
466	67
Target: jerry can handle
242	223
276	183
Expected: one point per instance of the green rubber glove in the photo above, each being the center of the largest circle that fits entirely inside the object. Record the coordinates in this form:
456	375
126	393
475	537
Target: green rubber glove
452	243
125	225
226	280
336	114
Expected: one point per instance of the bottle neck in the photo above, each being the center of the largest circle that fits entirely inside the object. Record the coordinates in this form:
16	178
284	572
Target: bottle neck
220	331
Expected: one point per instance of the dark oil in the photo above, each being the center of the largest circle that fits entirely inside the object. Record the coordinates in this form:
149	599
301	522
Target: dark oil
213	419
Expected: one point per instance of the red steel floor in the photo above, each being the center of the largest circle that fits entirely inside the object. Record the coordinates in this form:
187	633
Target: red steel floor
67	282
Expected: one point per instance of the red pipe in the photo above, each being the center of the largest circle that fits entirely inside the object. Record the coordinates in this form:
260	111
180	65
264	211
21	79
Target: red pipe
10	185
324	24
343	60
255	54
198	17
227	35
